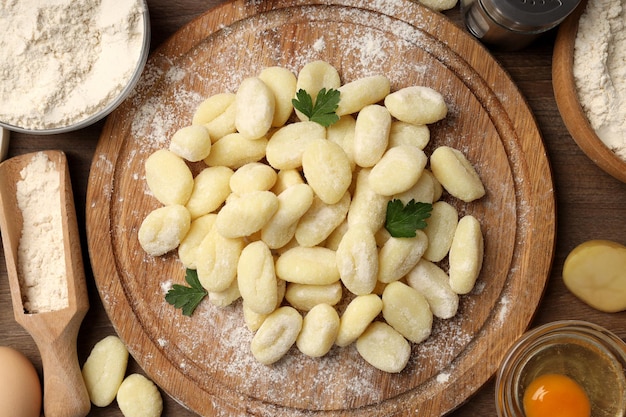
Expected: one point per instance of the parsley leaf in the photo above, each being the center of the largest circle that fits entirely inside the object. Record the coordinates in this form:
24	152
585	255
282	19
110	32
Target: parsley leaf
323	111
187	298
403	221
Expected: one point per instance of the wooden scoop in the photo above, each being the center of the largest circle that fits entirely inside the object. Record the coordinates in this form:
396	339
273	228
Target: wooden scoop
56	332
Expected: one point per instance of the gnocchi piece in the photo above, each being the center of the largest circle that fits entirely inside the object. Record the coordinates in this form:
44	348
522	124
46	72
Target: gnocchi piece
285	178
342	133
403	133
216	260
434	284
357	260
276	335
371	135
304	297
314	76
437	187
234	151
398	170
256	278
357	94
293	202
315	266
192	143
320	221
246	214
319	331
333	240
212	107
169	178
163	229
384	348
210	190
358	315
188	247
595	272
226	297
254	320
456	174
466	255
282	83
418	105
407	311
139	397
104	370
223	124
327	170
286	145
255	104
255	176
439	5
442	223
399	255
367	206
423	191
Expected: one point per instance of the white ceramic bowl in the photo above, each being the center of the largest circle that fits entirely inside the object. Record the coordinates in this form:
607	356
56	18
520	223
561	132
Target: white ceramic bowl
110	106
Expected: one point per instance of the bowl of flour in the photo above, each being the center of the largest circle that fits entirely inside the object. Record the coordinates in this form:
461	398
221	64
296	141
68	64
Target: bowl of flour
66	64
589	78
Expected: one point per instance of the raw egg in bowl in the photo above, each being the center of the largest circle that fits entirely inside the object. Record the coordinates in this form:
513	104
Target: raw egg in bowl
565	368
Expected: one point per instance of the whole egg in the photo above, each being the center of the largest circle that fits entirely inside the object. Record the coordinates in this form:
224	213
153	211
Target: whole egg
20	388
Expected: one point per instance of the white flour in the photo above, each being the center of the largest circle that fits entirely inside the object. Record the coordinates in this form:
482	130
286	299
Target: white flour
41	255
600	70
63	60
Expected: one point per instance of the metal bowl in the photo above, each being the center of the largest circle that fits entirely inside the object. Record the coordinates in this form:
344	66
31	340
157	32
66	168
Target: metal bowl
113	103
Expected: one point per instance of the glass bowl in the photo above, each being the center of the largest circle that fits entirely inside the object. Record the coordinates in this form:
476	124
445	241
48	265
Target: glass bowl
114	102
589	354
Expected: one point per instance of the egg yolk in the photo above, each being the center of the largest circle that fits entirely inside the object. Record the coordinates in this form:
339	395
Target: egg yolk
554	395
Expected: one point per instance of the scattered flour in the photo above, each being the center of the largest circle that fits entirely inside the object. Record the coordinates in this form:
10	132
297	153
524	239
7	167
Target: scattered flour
600	70
61	61
41	254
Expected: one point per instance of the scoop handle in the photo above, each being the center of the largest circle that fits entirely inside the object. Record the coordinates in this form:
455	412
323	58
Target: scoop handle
65	394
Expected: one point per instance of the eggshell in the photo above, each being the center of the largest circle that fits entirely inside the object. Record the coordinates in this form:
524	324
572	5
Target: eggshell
20	389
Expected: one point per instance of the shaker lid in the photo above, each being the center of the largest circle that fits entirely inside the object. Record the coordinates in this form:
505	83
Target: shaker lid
529	15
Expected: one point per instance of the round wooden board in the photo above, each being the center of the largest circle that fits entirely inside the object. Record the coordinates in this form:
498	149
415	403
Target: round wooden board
204	360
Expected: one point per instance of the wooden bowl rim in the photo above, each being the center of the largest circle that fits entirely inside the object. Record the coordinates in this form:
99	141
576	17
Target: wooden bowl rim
569	106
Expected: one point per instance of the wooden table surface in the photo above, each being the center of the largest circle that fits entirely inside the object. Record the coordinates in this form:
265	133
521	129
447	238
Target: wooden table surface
590	204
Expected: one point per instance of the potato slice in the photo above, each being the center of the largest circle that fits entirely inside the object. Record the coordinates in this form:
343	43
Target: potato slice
595	272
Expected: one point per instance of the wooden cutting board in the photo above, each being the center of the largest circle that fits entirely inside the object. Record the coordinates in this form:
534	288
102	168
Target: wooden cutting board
204	360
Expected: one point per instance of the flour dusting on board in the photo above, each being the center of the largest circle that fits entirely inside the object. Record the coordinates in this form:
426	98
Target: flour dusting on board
165	102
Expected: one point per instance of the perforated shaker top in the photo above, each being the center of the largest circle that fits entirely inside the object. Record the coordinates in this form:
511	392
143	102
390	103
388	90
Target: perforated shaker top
529	15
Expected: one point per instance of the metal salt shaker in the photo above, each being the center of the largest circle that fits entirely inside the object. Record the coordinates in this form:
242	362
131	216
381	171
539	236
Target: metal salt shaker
513	24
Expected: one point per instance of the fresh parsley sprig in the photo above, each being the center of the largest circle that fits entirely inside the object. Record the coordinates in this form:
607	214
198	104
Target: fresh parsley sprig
403	221
323	111
187	298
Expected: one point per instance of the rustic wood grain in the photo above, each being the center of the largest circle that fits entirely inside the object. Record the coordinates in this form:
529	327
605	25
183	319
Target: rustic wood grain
490	121
590	204
569	106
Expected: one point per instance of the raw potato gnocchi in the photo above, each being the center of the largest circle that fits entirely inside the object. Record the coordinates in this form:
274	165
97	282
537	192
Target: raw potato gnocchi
384	348
456	174
288	216
170	180
139	397
163	229
104	370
